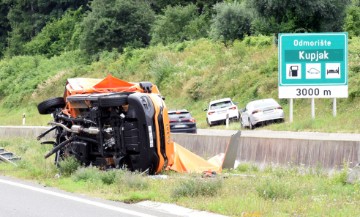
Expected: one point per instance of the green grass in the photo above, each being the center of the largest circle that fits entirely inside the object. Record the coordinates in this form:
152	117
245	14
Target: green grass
188	78
272	191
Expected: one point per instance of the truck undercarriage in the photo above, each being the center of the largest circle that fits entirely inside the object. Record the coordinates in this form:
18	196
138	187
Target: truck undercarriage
106	126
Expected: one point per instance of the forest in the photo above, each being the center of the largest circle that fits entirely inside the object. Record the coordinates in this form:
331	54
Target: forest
51	27
190	49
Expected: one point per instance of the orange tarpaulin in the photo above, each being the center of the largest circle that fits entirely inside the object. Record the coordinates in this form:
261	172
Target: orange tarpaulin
108	84
186	161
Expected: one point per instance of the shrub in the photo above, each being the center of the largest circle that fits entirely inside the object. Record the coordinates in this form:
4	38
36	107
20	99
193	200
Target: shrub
195	89
131	180
135	197
116	24
341	176
179	23
245	167
352	21
197	187
4	143
258	41
22	75
275	189
68	166
108	177
55	37
87	174
231	21
162	69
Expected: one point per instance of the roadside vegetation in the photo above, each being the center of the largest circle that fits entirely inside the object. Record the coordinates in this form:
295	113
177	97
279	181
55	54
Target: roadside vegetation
189	75
195	51
248	190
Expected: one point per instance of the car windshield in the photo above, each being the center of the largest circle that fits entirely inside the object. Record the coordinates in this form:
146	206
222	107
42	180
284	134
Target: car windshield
179	115
220	105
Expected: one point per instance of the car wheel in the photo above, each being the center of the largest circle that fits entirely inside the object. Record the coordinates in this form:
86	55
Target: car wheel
50	105
207	120
113	100
251	126
242	124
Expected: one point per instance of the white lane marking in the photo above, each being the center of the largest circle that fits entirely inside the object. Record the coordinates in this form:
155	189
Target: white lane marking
77	199
172	208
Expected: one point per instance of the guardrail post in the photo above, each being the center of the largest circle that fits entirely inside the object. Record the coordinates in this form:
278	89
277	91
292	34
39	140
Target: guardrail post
227	119
23	119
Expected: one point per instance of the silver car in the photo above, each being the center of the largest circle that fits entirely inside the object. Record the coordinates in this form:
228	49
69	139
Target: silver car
261	111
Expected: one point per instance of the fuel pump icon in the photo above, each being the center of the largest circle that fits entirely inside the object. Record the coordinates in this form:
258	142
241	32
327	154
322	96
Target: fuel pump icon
294	71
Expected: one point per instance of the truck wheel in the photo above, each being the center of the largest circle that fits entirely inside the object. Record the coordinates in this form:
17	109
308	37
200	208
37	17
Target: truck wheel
50	105
113	100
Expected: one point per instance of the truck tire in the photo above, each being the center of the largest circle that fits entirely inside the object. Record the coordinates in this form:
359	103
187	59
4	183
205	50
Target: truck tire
50	105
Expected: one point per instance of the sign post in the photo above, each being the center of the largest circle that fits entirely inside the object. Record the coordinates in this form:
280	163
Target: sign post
313	65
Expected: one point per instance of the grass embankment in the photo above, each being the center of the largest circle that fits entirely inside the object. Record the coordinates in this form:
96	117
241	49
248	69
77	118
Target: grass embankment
245	191
189	75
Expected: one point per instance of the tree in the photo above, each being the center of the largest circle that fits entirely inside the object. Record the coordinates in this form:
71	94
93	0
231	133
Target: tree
28	17
4	26
116	24
202	5
179	23
231	21
352	19
275	16
56	36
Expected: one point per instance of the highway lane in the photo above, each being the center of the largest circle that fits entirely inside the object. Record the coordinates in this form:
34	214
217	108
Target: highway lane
20	198
33	131
283	134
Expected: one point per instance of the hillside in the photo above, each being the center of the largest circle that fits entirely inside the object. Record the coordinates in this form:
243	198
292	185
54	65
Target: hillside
189	75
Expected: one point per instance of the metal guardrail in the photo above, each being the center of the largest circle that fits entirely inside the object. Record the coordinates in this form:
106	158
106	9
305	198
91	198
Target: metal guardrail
8	157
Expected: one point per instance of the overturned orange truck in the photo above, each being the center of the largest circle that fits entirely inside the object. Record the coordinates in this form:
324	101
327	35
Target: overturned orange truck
111	123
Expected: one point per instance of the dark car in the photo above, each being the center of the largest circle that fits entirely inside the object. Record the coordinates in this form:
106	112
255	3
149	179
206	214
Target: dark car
181	121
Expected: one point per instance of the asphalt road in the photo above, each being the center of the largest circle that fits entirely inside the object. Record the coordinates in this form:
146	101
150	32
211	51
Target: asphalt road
24	199
20	198
283	134
33	131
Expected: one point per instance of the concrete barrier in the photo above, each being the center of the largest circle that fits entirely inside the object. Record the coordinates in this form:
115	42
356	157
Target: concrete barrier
307	149
260	147
30	132
323	153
